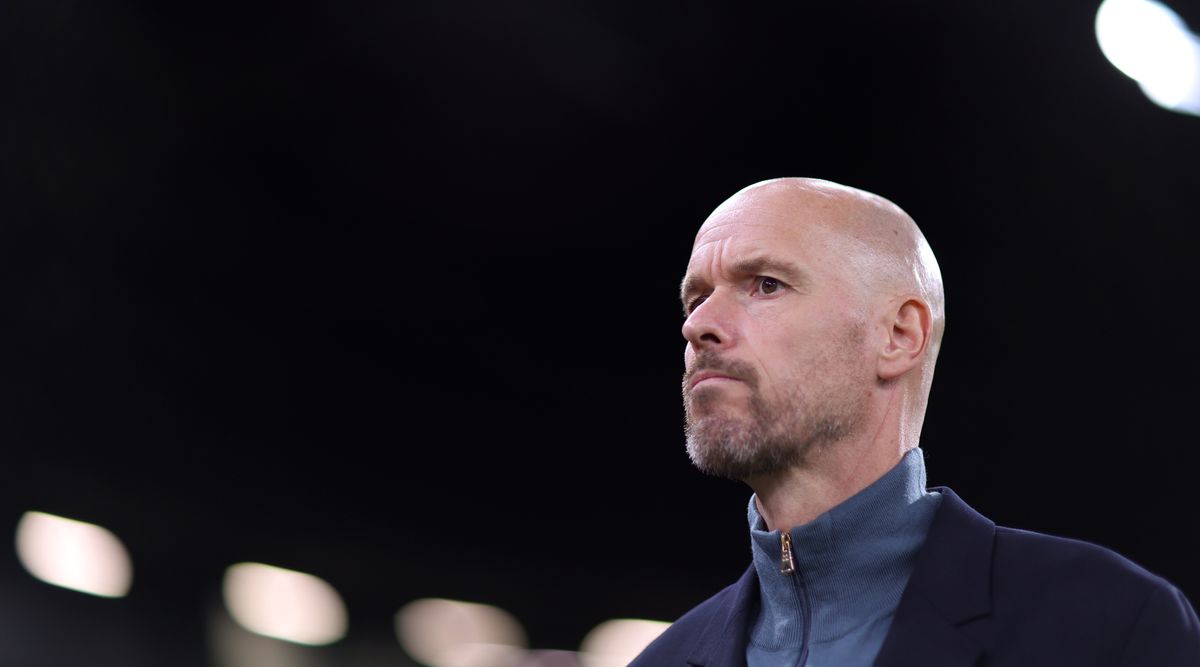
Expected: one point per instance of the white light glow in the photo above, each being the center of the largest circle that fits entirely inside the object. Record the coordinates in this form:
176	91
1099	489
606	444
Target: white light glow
284	604
73	554
450	633
616	643
1151	44
231	645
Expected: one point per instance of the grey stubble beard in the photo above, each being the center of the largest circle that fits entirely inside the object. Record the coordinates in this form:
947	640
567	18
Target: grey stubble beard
772	437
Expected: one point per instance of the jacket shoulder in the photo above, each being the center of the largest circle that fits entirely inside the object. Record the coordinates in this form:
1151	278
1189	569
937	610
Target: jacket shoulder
1018	597
1072	593
1077	568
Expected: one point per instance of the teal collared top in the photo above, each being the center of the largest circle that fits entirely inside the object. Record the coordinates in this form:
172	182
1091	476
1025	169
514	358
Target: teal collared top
851	566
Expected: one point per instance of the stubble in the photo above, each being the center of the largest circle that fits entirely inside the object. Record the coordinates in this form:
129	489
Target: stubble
772	433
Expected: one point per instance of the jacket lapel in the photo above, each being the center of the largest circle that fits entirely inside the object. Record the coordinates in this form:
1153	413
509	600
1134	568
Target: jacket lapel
950	586
723	642
923	637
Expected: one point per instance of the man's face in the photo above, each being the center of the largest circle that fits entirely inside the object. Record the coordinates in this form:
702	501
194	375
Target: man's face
777	356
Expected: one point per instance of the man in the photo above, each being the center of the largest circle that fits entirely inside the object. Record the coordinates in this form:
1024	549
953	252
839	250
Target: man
814	313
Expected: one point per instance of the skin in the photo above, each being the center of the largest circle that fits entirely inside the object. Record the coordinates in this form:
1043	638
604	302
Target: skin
814	313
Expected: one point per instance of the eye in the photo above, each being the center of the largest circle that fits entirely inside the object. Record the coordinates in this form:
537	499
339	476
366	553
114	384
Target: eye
768	285
695	303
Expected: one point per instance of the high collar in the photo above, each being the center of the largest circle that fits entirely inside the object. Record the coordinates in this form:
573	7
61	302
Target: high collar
854	560
950	586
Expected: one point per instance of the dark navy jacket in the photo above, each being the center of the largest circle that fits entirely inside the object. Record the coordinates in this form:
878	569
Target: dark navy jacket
985	596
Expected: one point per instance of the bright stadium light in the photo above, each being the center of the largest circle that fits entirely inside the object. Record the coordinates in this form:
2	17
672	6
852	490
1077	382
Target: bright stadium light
616	643
284	604
1152	45
451	633
232	645
73	554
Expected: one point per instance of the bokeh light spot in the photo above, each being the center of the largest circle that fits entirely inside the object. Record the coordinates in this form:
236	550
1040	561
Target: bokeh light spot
451	633
72	554
617	642
284	604
1152	45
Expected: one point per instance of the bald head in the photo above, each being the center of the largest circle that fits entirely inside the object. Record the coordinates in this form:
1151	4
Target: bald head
882	248
823	305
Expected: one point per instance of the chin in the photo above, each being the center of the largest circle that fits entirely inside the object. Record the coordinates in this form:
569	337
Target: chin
712	402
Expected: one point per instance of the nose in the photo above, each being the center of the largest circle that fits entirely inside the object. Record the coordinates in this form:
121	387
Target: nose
709	326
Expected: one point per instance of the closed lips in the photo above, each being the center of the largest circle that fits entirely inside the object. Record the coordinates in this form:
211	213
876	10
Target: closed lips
709	375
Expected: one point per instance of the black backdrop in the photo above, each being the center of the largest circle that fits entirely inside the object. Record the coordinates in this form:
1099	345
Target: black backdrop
387	292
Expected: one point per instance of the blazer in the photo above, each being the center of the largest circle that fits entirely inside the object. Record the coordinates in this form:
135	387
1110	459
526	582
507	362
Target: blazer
981	595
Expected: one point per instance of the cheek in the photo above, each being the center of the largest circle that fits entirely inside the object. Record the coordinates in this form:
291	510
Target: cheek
783	355
821	350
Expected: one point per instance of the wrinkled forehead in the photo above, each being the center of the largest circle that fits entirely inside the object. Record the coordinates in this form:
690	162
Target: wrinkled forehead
749	227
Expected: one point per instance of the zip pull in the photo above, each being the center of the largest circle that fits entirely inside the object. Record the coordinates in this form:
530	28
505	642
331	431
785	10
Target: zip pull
787	564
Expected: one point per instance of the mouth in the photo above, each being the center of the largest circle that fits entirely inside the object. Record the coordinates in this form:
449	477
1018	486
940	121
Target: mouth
710	376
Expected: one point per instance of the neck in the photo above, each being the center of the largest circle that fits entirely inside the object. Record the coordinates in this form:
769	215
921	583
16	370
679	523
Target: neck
831	473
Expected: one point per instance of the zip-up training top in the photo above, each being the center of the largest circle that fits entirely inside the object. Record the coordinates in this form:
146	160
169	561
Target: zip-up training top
829	588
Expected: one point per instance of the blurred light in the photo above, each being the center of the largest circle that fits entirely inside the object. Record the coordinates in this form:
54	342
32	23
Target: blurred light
73	554
552	659
284	604
449	633
616	643
231	645
1152	45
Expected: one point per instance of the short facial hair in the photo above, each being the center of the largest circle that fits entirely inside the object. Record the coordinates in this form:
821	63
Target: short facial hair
776	435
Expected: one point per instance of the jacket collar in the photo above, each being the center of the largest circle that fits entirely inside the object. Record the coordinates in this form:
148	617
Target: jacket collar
854	559
950	585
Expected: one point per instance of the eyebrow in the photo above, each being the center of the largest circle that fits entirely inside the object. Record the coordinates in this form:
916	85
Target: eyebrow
751	266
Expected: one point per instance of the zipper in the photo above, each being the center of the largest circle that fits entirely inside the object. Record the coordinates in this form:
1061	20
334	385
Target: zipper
787	567
787	564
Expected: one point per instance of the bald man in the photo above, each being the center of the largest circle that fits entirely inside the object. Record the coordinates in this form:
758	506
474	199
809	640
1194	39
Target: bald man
814	313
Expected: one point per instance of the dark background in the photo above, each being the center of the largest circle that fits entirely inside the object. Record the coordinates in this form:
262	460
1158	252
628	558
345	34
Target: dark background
388	292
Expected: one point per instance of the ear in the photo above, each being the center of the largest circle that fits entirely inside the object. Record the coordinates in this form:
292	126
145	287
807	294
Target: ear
908	336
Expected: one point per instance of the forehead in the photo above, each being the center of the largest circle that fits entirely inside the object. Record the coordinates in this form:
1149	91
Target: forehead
739	230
